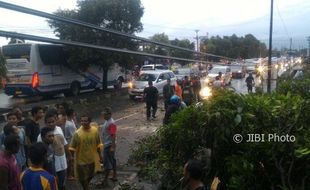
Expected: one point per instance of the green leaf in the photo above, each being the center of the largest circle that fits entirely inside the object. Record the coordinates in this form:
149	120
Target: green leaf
238	119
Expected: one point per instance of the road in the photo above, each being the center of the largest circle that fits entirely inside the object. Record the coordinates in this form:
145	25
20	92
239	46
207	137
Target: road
9	102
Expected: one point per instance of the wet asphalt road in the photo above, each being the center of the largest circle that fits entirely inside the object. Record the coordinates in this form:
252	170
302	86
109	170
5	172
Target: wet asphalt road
8	101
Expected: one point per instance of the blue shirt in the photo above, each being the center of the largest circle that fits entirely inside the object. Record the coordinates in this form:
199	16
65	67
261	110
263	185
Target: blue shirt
37	179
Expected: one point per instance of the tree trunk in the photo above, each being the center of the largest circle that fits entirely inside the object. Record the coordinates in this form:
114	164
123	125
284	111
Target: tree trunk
105	79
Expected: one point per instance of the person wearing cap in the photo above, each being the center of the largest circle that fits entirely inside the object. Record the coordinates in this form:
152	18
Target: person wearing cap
108	131
150	95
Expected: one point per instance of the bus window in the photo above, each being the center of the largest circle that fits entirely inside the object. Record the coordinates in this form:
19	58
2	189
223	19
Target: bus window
52	55
17	51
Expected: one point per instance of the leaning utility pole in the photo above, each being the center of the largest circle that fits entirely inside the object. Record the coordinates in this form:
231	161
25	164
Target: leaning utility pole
291	41
270	50
197	40
308	52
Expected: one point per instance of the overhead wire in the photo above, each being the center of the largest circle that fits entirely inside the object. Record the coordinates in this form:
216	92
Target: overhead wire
86	45
284	26
92	26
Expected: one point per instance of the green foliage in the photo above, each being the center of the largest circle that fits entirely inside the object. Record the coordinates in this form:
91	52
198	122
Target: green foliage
299	86
163	38
3	69
243	166
183	54
120	15
234	47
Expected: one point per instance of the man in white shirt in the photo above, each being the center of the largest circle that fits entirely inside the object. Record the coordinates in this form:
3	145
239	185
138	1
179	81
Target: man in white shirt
60	147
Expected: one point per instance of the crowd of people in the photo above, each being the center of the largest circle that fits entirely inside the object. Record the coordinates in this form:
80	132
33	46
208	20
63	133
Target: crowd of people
42	156
176	96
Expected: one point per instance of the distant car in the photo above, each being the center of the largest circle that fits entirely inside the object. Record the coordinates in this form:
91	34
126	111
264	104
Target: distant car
153	67
238	71
180	73
226	74
159	78
251	69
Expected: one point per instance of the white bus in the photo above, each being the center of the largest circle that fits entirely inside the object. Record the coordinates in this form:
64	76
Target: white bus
42	69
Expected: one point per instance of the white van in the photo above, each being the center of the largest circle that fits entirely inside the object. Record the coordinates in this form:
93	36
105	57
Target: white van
42	69
226	74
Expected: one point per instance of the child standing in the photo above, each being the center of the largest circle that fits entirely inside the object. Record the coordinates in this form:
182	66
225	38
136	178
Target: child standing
108	130
35	177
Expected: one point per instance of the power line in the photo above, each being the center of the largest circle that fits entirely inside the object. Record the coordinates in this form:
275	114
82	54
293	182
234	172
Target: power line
92	26
167	27
86	45
284	26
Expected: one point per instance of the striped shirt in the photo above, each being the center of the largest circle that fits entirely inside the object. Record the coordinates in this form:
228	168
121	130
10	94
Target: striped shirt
37	179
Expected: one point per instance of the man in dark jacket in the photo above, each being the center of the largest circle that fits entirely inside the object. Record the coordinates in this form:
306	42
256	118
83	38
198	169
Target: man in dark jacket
150	95
249	82
187	91
168	91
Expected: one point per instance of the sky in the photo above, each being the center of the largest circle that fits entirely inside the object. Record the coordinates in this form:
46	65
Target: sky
180	18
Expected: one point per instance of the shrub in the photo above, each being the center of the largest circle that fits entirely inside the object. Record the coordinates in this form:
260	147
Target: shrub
199	130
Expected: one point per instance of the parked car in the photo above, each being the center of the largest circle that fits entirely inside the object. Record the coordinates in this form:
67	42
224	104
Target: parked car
238	71
159	78
226	74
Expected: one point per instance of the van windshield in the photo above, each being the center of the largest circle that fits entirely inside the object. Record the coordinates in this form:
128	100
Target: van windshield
216	70
183	71
147	68
236	68
147	77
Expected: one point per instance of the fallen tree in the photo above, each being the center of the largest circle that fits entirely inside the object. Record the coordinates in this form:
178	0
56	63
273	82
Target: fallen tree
278	158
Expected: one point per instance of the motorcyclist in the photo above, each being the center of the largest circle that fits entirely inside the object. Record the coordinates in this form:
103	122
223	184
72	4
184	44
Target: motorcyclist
217	83
175	105
220	75
250	82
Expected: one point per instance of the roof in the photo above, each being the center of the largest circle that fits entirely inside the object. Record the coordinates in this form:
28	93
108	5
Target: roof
152	65
221	67
155	71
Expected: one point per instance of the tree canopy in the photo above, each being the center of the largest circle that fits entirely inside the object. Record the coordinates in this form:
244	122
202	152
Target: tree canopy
120	15
234	46
164	38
